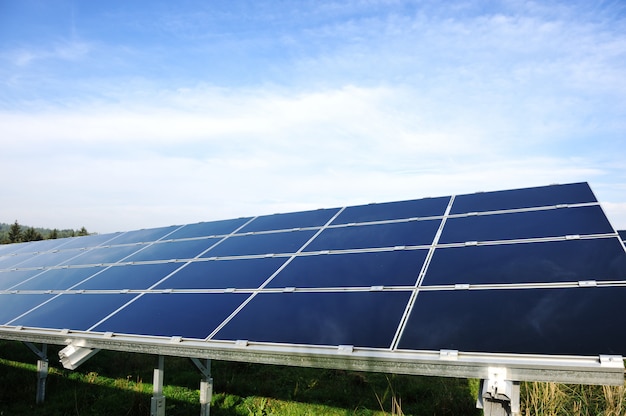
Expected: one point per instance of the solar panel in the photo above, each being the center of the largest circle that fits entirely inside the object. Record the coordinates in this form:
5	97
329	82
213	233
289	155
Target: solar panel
498	278
622	234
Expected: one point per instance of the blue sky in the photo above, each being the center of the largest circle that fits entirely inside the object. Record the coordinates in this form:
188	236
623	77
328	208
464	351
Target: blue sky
121	115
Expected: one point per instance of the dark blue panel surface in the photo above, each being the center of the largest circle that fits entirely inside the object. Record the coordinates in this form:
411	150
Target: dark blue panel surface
143	236
622	235
386	268
556	261
59	279
100	255
532	224
304	219
40	246
574	321
8	279
140	276
49	259
186	249
89	241
6	249
75	311
12	306
376	235
224	274
364	319
10	261
241	245
206	229
523	198
189	315
428	207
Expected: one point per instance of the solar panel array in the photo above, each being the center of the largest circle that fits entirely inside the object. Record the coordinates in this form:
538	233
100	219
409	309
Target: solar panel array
527	271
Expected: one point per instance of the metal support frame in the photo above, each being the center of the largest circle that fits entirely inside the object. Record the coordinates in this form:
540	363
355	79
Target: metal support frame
498	396
157	403
42	370
75	354
206	386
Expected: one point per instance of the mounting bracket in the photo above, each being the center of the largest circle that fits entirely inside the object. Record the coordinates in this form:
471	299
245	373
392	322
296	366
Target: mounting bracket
206	386
75	354
498	396
42	369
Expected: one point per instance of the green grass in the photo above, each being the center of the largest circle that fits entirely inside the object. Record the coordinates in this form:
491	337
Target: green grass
116	383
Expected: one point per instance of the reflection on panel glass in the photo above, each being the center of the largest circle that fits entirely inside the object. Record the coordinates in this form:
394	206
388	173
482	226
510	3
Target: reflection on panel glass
304	219
224	274
363	319
89	241
252	244
73	311
376	235
143	236
188	315
172	250
12	306
428	207
574	321
10	261
103	255
40	246
50	259
205	229
386	268
59	279
532	224
140	276
8	279
523	198
556	261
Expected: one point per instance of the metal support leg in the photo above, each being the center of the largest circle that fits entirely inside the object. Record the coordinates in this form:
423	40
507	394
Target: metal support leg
498	396
206	386
157	404
42	370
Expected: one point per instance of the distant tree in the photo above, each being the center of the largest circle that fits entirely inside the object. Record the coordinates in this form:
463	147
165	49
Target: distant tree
15	233
54	234
32	235
83	231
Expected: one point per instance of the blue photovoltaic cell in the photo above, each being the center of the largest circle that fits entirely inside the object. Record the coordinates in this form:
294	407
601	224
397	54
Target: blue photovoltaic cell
188	315
12	306
206	229
572	321
40	246
531	224
185	249
143	236
291	220
254	244
224	274
139	276
555	261
7	262
385	268
523	198
428	207
7	249
49	259
88	241
59	279
411	233
363	319
8	279
103	255
73	311
622	235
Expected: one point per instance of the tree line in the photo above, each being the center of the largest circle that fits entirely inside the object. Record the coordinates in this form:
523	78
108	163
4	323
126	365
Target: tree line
16	233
